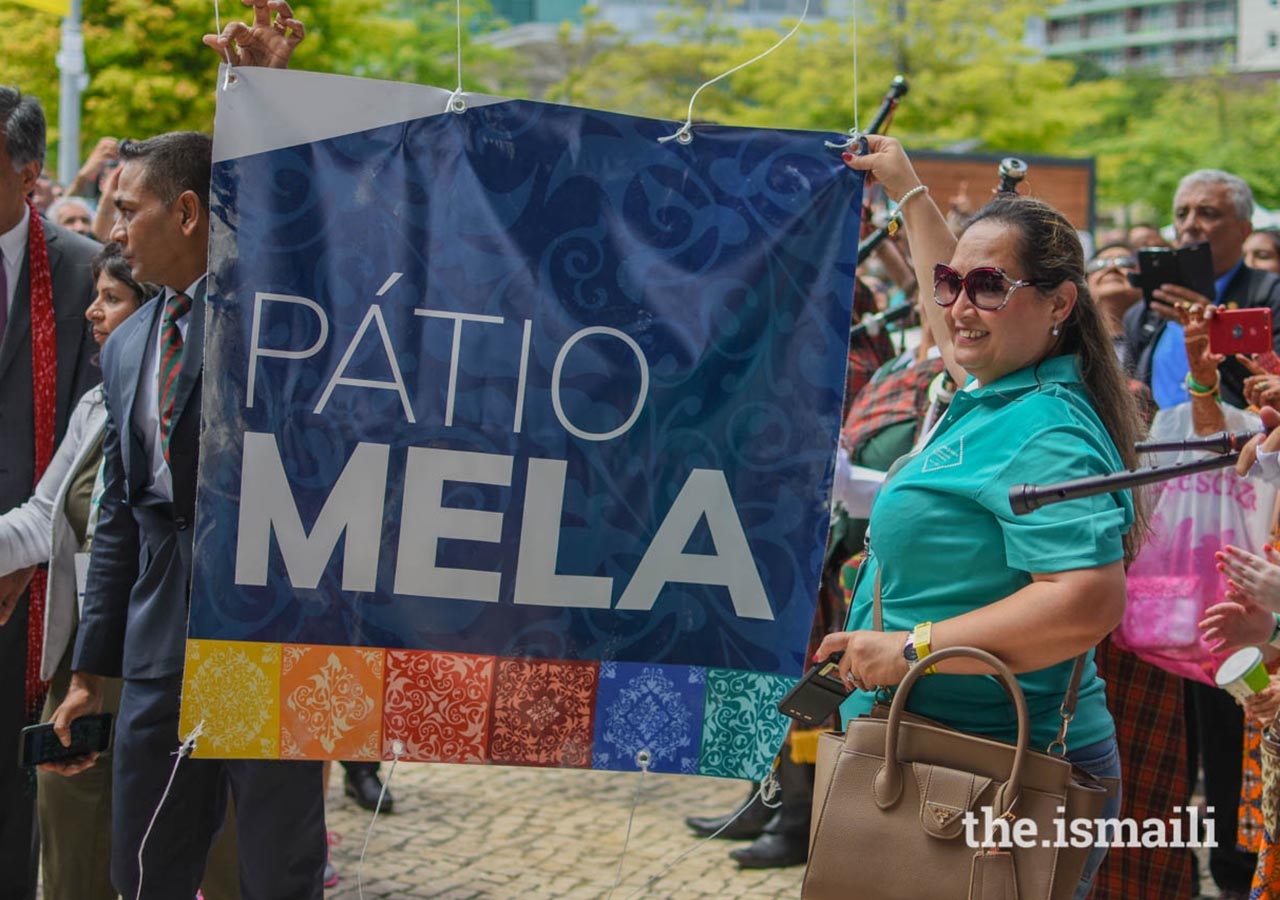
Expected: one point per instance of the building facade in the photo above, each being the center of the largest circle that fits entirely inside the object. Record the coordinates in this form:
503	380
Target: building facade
1171	37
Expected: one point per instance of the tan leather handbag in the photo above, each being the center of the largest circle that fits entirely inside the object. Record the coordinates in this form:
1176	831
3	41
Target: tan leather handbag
891	797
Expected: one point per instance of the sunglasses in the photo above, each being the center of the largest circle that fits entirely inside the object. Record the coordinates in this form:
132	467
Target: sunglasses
1118	262
988	288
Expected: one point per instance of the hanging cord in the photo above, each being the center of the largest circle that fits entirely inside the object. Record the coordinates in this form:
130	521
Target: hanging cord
643	758
769	788
397	751
855	133
185	750
226	54
457	102
685	134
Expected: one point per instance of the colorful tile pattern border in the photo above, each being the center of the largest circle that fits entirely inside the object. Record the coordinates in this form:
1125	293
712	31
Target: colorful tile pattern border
301	701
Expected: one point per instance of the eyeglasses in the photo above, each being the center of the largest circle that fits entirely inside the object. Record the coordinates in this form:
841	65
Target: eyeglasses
988	288
1107	262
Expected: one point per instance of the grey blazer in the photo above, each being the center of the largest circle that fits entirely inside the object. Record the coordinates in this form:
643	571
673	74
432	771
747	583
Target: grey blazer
38	530
134	620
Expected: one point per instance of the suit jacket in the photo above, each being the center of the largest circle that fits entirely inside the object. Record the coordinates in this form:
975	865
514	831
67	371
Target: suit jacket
38	530
1247	288
69	257
134	621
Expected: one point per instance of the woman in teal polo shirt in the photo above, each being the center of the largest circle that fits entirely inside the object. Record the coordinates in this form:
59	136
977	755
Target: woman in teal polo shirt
1044	401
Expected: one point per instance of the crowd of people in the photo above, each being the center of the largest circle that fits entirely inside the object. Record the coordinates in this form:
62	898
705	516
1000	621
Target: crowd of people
102	307
1016	318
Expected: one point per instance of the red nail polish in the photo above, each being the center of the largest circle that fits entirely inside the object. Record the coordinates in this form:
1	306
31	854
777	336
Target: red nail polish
846	156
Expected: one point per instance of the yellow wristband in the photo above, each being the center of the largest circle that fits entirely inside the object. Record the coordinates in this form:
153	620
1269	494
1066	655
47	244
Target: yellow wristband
921	639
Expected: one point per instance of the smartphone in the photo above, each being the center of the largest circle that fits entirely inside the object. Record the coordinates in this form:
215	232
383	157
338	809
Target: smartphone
1156	266
818	694
1234	331
89	734
1189	267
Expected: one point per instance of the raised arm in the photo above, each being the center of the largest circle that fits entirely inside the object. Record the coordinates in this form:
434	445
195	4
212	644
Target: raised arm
928	234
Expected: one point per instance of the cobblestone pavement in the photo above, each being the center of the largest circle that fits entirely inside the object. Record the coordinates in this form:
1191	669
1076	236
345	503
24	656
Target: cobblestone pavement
491	833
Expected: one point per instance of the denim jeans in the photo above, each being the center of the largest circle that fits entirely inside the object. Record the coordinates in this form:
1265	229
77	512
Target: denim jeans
1101	760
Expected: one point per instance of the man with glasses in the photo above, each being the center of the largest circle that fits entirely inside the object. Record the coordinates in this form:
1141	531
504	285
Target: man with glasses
1214	206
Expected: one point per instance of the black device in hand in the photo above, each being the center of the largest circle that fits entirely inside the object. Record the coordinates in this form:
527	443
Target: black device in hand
818	694
1190	267
40	744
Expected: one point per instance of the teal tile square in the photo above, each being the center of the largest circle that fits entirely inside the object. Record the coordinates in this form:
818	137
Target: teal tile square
742	729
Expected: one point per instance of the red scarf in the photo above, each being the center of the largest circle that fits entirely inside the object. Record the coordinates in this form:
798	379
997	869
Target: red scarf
44	390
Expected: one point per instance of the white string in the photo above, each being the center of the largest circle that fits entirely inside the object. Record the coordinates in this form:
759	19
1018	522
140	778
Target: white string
643	758
397	751
185	750
217	29
769	788
684	135
456	102
857	129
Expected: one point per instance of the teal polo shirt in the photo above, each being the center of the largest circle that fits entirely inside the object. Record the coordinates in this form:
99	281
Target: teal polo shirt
945	540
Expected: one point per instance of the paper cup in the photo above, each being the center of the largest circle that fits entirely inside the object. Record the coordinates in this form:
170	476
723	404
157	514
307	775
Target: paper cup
1242	674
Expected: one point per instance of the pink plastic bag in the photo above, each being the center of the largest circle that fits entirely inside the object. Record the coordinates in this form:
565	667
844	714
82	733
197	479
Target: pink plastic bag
1175	577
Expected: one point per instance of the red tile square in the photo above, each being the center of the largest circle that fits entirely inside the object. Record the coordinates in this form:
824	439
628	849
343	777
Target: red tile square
437	704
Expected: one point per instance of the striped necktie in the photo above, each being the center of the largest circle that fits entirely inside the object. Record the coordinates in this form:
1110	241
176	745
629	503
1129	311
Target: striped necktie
4	297
177	306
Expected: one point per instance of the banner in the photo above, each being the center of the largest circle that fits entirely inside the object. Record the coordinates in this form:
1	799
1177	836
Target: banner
518	433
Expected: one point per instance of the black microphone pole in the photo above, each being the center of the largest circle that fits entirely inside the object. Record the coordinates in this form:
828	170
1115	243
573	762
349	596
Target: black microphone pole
1222	442
1024	498
897	89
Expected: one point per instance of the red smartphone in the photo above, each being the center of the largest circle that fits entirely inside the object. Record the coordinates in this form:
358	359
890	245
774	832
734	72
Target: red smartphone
1234	331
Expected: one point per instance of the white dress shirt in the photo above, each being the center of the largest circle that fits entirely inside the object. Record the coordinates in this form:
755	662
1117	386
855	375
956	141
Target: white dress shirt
13	246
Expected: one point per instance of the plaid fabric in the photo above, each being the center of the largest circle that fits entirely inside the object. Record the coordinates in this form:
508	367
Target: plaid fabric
897	397
1147	705
866	355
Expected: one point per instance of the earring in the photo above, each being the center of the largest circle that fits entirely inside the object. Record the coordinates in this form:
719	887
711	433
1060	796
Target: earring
1056	329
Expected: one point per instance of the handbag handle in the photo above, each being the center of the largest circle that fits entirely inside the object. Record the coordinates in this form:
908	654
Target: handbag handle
888	781
1068	709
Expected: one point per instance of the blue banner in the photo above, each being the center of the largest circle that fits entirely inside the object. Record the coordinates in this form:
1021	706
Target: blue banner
524	382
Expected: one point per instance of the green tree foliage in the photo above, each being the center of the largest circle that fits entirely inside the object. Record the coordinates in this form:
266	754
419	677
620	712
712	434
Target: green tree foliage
149	73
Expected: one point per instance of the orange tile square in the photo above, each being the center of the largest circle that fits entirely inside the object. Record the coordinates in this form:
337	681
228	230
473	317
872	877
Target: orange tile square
331	702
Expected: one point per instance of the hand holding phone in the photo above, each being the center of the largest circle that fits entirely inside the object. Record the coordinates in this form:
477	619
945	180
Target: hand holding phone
818	694
40	745
1235	331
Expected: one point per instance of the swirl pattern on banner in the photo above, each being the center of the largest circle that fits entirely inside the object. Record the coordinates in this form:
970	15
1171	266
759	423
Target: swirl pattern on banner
437	704
542	713
743	729
653	708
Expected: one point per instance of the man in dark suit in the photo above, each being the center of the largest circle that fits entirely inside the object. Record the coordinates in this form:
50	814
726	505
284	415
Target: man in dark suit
138	589
1217	207
29	305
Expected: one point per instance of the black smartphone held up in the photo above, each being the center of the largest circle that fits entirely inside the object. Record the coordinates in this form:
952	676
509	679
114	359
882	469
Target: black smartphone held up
89	734
818	694
1190	267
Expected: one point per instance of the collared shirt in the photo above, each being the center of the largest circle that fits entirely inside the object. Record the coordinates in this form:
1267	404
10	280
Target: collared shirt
13	245
946	542
146	406
1169	366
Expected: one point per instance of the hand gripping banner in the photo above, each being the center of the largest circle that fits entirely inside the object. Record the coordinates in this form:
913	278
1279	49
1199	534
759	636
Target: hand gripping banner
518	431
